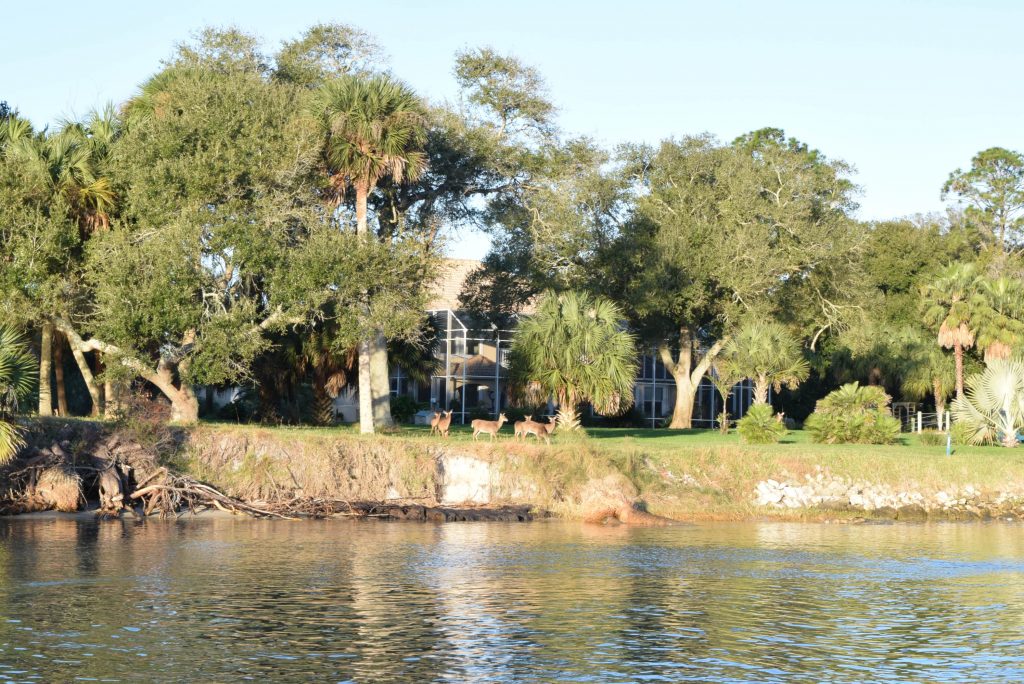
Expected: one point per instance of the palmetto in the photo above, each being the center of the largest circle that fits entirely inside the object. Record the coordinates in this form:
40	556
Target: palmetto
993	406
998	309
374	128
70	163
575	349
765	352
17	376
950	306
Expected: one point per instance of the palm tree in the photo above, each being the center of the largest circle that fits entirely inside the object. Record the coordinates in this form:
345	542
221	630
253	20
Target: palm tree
949	306
767	353
993	406
999	307
69	164
724	377
925	369
575	348
17	371
374	128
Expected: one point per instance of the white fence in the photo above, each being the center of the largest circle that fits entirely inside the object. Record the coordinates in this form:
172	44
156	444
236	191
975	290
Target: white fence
918	421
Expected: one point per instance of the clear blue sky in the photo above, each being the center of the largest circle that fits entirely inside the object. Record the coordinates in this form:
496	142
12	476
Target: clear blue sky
905	91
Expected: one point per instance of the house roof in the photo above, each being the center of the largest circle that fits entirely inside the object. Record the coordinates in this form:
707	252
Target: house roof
476	367
449	285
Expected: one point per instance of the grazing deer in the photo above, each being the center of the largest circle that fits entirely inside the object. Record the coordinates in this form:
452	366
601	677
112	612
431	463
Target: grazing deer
491	427
434	421
520	426
443	423
539	430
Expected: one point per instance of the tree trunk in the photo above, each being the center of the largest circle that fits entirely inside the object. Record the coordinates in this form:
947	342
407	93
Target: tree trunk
761	390
682	412
112	403
366	346
45	365
380	378
184	405
58	371
687	375
940	398
958	356
90	380
365	389
323	402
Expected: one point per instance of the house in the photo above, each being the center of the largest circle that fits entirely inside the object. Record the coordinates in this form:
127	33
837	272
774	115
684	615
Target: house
472	376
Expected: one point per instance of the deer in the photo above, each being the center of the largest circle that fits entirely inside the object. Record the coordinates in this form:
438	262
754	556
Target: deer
434	421
491	427
520	426
443	423
539	430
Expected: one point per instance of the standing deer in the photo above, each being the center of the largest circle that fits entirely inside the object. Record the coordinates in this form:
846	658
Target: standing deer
434	421
539	430
550	426
443	423
491	427
520	426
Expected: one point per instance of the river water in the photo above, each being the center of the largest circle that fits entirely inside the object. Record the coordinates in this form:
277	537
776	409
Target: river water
225	600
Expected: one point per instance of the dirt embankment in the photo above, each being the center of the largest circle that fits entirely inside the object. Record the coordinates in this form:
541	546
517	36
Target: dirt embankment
152	469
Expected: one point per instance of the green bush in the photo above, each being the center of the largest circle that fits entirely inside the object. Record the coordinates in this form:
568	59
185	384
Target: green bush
403	408
963	433
932	437
853	415
759	426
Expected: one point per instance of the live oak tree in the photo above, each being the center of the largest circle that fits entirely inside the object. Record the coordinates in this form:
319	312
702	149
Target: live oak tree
215	171
720	230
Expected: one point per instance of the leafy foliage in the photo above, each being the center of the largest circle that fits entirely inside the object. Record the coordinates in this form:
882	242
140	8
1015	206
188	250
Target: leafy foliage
854	414
993	189
403	408
992	408
374	127
575	349
767	353
17	379
759	426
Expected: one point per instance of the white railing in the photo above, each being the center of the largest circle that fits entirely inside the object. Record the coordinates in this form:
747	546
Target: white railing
916	422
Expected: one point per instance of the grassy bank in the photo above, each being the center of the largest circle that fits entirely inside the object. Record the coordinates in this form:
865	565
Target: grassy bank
701	474
694	475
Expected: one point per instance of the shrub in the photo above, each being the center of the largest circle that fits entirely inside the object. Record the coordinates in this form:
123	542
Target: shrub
759	426
854	415
992	407
932	437
403	408
962	434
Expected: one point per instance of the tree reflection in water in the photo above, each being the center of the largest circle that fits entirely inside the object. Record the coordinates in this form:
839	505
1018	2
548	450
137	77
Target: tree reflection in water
230	599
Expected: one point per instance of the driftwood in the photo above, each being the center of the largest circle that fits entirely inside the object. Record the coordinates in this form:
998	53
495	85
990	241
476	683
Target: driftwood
173	494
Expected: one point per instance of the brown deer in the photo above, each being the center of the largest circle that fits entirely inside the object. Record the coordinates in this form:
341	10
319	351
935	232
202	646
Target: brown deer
520	426
443	423
539	430
433	422
491	427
